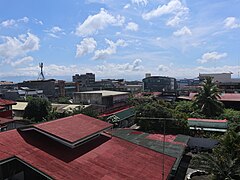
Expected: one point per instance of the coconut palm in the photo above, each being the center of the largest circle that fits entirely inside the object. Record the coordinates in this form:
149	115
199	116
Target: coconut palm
207	99
224	162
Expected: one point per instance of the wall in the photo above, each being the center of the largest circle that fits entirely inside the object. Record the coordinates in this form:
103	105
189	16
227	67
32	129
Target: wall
87	98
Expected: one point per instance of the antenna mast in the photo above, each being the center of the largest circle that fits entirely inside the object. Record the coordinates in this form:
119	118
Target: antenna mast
41	75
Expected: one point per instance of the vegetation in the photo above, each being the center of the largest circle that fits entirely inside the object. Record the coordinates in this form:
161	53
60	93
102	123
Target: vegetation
224	162
148	111
207	99
37	110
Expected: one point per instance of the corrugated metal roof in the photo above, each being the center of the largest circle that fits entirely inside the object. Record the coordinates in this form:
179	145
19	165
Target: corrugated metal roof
208	123
100	158
4	102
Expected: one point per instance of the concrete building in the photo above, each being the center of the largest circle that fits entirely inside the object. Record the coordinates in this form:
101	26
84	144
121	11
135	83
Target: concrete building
159	84
109	99
224	81
48	86
6	108
66	89
84	79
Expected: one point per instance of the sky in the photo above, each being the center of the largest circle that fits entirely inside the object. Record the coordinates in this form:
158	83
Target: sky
119	39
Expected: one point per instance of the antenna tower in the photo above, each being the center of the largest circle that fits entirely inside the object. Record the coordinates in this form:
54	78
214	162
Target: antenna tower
41	75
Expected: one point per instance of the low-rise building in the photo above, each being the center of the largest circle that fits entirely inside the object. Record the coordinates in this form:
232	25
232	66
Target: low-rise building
6	108
81	147
109	99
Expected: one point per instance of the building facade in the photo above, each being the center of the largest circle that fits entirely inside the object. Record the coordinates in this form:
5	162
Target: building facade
159	84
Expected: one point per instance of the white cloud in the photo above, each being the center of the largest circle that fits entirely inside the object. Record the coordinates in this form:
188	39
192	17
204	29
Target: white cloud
140	2
87	45
163	68
182	32
13	22
126	6
173	21
55	32
38	21
111	68
112	49
211	56
98	22
24	19
8	23
173	7
231	23
13	46
132	26
21	61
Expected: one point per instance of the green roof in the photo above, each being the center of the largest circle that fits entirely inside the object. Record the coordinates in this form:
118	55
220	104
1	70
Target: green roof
122	115
171	149
204	124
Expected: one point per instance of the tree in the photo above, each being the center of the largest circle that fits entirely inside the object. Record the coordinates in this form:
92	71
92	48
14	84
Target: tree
148	112
37	109
207	99
224	162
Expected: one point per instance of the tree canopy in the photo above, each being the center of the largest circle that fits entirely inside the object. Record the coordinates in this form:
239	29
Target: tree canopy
37	109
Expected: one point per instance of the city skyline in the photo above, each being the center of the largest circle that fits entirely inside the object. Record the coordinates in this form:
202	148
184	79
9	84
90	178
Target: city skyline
119	40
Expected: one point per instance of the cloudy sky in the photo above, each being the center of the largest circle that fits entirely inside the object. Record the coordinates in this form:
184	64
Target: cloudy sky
119	39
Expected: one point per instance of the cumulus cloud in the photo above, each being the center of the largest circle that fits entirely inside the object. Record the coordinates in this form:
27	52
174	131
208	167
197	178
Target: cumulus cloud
112	49
97	22
211	56
231	23
87	45
182	32
55	32
21	61
163	68
13	46
132	26
173	7
140	2
13	22
111	68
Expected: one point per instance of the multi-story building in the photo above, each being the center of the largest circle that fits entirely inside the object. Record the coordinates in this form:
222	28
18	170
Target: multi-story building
48	86
159	84
224	81
84	79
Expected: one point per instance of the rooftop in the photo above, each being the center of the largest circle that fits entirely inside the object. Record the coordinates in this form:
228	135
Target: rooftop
5	121
5	102
71	130
103	157
105	93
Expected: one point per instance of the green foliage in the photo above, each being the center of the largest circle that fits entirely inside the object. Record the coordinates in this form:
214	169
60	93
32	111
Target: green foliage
188	108
224	162
37	109
63	100
174	123
207	99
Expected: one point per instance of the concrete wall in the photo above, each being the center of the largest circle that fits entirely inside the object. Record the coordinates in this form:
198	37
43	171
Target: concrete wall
87	98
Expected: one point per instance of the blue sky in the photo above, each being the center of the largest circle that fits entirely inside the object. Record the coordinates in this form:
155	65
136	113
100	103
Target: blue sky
119	39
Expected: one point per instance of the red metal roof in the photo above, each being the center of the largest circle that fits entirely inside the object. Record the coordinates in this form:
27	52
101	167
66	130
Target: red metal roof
73	128
208	120
101	158
4	102
114	112
224	97
5	120
168	138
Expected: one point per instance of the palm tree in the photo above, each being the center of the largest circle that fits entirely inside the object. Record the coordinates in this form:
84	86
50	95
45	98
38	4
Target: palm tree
207	99
224	162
